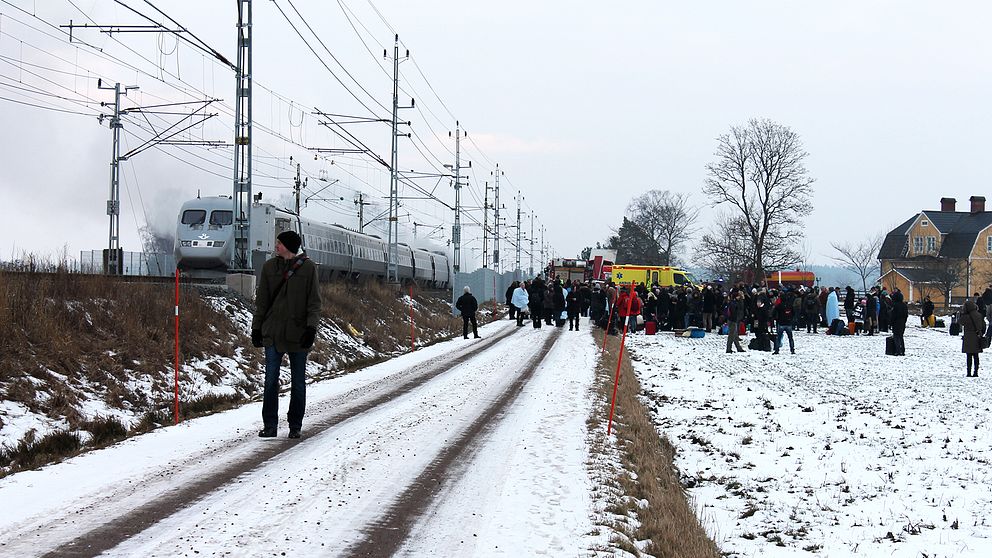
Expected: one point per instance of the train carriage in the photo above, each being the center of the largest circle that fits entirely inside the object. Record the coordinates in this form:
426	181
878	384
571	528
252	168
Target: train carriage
205	244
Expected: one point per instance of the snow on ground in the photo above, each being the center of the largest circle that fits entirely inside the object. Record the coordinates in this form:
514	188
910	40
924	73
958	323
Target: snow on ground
526	492
314	498
838	450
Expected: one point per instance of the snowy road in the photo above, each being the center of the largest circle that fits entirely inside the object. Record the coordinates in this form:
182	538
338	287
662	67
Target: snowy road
460	445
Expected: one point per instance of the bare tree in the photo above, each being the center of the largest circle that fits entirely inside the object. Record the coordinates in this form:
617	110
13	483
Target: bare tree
759	172
667	217
726	249
947	274
860	257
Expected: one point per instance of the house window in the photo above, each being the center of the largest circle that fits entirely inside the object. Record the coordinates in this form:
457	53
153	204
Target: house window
917	244
924	223
988	244
931	244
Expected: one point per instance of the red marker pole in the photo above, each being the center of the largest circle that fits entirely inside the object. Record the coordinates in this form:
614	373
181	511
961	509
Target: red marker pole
606	335
177	347
623	338
413	330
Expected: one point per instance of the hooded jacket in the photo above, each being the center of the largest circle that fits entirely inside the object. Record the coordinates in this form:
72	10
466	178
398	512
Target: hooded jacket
284	311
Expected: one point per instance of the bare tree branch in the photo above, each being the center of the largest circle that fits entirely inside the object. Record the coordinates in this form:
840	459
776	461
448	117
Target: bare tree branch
666	217
759	173
860	257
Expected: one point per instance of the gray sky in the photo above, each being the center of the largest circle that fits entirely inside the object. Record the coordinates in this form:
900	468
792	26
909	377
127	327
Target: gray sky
584	105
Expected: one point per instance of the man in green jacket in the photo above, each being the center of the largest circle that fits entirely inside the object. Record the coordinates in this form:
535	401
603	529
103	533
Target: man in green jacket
287	311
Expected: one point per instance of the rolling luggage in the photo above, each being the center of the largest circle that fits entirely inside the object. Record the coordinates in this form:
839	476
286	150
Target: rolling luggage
742	329
650	328
890	345
955	328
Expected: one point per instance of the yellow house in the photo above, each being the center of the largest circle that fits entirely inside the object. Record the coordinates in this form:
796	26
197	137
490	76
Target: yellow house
940	253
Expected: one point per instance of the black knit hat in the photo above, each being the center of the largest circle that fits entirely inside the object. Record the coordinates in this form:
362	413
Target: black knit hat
290	240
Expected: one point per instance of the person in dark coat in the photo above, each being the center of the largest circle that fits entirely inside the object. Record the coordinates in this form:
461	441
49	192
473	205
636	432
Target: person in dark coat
811	306
535	301
972	329
468	306
509	299
850	300
785	319
287	313
573	305
585	297
897	320
736	315
597	304
709	307
926	311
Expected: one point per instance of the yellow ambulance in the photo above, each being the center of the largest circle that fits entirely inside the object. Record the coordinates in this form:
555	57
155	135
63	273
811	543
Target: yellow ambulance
664	276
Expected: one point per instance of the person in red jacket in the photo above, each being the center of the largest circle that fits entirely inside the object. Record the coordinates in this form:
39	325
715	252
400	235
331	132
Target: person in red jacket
629	306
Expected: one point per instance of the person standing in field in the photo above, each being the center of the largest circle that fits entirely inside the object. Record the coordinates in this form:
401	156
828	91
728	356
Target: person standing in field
287	313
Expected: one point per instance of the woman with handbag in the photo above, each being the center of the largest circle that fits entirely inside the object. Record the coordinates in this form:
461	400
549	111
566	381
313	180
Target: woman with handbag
972	339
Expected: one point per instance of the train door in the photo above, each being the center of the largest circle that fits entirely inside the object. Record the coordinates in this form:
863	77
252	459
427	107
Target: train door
654	277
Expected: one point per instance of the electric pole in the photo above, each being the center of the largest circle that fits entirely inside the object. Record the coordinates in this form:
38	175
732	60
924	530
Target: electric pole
496	206
517	272
297	186
361	203
241	255
544	262
456	229
531	243
392	272
112	265
485	228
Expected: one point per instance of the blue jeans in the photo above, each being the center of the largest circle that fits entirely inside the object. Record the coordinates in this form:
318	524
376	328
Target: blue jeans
298	388
786	329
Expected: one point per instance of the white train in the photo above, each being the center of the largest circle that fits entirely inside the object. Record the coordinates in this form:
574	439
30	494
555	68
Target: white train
205	243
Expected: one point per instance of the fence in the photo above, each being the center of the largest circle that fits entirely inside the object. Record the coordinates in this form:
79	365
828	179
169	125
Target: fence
134	263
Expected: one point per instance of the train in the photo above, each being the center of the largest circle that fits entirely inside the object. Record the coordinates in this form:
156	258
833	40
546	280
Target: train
205	244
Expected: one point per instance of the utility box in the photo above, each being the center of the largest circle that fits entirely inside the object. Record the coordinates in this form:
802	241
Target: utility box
242	283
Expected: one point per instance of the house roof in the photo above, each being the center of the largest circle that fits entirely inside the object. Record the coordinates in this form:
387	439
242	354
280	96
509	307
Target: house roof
959	231
917	275
894	245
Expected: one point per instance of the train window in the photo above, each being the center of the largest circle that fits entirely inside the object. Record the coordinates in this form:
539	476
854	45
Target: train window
221	217
194	216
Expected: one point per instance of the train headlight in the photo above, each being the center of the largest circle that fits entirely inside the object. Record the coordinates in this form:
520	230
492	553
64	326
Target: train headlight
185	243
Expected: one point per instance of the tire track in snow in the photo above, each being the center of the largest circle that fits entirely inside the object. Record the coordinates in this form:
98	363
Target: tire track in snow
388	534
127	524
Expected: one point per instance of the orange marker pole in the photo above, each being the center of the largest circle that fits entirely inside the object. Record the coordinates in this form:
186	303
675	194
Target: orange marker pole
177	348
623	338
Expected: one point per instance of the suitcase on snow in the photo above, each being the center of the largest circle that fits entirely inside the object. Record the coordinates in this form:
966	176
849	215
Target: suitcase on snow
890	345
650	328
955	329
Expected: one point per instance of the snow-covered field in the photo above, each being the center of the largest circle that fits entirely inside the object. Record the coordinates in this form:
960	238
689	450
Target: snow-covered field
838	450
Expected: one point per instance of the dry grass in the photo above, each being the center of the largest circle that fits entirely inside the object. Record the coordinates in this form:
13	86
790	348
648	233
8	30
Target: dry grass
382	314
668	521
66	337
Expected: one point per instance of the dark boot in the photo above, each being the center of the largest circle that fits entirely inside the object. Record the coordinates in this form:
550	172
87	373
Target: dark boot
267	432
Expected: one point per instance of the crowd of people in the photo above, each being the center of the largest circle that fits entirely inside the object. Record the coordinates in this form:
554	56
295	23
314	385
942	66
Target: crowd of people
771	314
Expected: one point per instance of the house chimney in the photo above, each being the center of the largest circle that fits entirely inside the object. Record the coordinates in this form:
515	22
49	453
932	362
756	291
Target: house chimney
947	204
977	204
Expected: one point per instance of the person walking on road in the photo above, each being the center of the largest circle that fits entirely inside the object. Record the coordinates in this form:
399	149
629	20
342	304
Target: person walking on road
785	320
287	313
468	306
519	302
509	298
573	306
